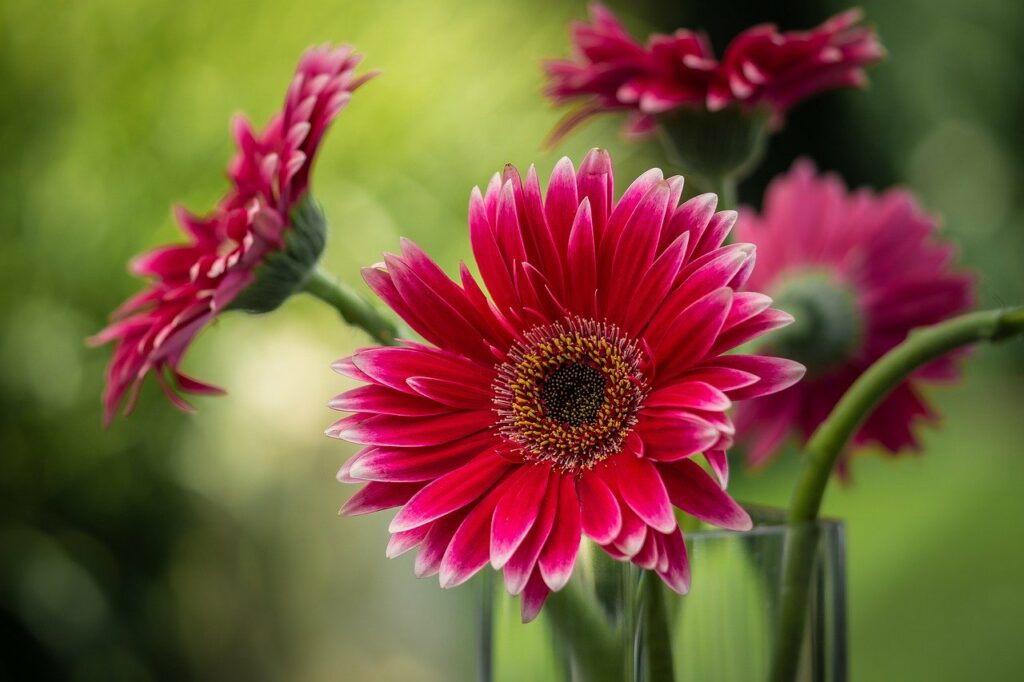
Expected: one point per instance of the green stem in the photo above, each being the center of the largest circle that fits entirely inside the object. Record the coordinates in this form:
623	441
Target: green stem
920	348
725	187
656	642
355	309
801	549
827	444
582	630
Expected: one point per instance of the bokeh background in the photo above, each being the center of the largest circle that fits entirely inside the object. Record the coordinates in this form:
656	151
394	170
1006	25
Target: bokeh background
207	546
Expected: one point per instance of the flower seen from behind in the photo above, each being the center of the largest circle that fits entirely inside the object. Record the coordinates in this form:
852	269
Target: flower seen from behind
252	230
859	271
760	69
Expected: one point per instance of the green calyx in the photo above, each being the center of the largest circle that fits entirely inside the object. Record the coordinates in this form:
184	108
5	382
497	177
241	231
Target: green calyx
827	330
719	146
286	272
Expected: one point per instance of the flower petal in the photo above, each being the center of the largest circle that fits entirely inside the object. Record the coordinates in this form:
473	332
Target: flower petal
450	492
696	493
559	556
517	511
642	489
599	510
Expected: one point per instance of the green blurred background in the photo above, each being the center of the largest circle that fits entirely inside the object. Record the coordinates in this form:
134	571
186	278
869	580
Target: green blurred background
207	546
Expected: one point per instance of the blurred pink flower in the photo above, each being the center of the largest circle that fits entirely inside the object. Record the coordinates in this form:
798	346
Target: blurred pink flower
762	65
610	71
194	282
571	402
870	261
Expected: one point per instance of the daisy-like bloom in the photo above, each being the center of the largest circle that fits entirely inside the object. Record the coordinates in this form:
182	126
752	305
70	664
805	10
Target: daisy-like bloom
859	271
576	398
610	71
762	68
253	230
762	65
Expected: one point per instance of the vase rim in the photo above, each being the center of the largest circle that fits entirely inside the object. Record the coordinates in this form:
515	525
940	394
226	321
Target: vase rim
767	521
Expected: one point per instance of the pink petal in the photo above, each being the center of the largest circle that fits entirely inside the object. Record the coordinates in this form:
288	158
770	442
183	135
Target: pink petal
400	543
677	575
599	510
382	400
468	551
522	564
642	489
416	464
595	181
559	556
562	202
723	378
692	490
677	437
693	332
634	531
450	492
647	557
534	596
697	395
517	511
391	367
487	254
428	561
451	393
776	374
622	212
411	431
637	245
655	285
379	496
718	460
582	260
760	324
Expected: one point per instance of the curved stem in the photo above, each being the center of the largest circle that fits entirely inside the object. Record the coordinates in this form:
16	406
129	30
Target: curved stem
921	347
827	444
355	309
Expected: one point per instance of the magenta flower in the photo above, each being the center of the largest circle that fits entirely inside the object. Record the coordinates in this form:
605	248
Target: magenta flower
762	65
218	268
862	270
574	400
610	71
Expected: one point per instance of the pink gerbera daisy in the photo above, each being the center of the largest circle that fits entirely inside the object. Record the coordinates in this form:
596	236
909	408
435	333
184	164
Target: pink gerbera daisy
575	399
610	71
859	271
254	226
761	68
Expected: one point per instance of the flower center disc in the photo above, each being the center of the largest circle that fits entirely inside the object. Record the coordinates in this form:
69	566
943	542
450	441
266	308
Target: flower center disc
570	392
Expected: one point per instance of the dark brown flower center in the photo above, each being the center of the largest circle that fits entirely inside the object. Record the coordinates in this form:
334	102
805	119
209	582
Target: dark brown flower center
570	392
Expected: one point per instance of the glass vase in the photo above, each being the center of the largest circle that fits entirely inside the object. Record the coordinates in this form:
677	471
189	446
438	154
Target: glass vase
768	604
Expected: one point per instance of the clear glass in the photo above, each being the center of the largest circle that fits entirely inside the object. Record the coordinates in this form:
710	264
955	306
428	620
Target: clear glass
613	622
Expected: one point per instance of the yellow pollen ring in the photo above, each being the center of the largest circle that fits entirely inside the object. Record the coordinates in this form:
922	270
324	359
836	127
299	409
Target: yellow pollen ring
570	392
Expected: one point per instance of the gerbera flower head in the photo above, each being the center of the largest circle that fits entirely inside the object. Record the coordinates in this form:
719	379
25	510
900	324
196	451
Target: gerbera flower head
610	71
572	401
672	82
859	271
251	252
780	69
